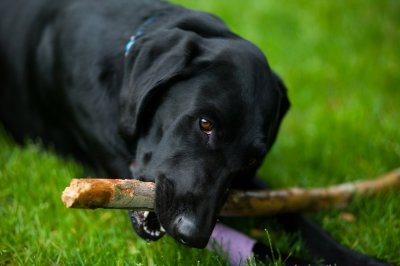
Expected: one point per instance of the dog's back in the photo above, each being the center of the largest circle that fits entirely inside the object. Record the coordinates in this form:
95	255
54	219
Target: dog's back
44	46
16	20
31	34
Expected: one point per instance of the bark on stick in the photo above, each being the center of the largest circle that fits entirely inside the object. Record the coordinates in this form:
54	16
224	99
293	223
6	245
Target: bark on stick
92	193
133	194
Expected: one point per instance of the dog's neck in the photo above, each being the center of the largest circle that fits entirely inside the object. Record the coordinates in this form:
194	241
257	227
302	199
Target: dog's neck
138	33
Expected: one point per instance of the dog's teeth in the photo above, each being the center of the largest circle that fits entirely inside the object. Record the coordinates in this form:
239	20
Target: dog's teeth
162	229
146	229
157	234
145	214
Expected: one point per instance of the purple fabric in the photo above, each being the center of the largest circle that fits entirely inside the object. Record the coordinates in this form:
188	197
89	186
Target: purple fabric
236	245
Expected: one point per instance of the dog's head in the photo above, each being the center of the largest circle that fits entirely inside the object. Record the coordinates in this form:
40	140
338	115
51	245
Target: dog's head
200	113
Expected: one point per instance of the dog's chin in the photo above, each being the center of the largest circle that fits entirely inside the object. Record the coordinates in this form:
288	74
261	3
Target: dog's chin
146	225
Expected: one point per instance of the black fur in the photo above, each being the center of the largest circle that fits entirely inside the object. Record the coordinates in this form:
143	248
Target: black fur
66	79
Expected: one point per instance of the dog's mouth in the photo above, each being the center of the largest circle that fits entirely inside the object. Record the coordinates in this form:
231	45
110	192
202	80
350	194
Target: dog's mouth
146	225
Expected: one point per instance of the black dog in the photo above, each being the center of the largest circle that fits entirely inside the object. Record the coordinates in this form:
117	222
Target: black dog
142	89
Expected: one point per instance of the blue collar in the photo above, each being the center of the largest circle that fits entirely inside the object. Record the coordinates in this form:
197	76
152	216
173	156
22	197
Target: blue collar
139	32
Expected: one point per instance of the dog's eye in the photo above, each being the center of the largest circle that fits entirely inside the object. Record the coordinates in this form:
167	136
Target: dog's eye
206	126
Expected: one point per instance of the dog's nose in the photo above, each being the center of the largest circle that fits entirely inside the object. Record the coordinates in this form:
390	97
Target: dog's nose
188	233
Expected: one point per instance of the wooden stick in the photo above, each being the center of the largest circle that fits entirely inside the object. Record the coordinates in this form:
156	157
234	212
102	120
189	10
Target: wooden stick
92	193
134	194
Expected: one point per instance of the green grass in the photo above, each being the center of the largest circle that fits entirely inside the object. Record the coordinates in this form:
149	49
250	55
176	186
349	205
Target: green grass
36	229
340	61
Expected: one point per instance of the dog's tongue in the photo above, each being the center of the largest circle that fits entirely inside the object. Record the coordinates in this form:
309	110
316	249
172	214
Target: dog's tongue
146	225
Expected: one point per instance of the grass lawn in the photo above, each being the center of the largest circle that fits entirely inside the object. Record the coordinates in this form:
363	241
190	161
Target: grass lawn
340	62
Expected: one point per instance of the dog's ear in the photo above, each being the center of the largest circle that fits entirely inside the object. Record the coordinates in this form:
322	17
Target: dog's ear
283	106
156	60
